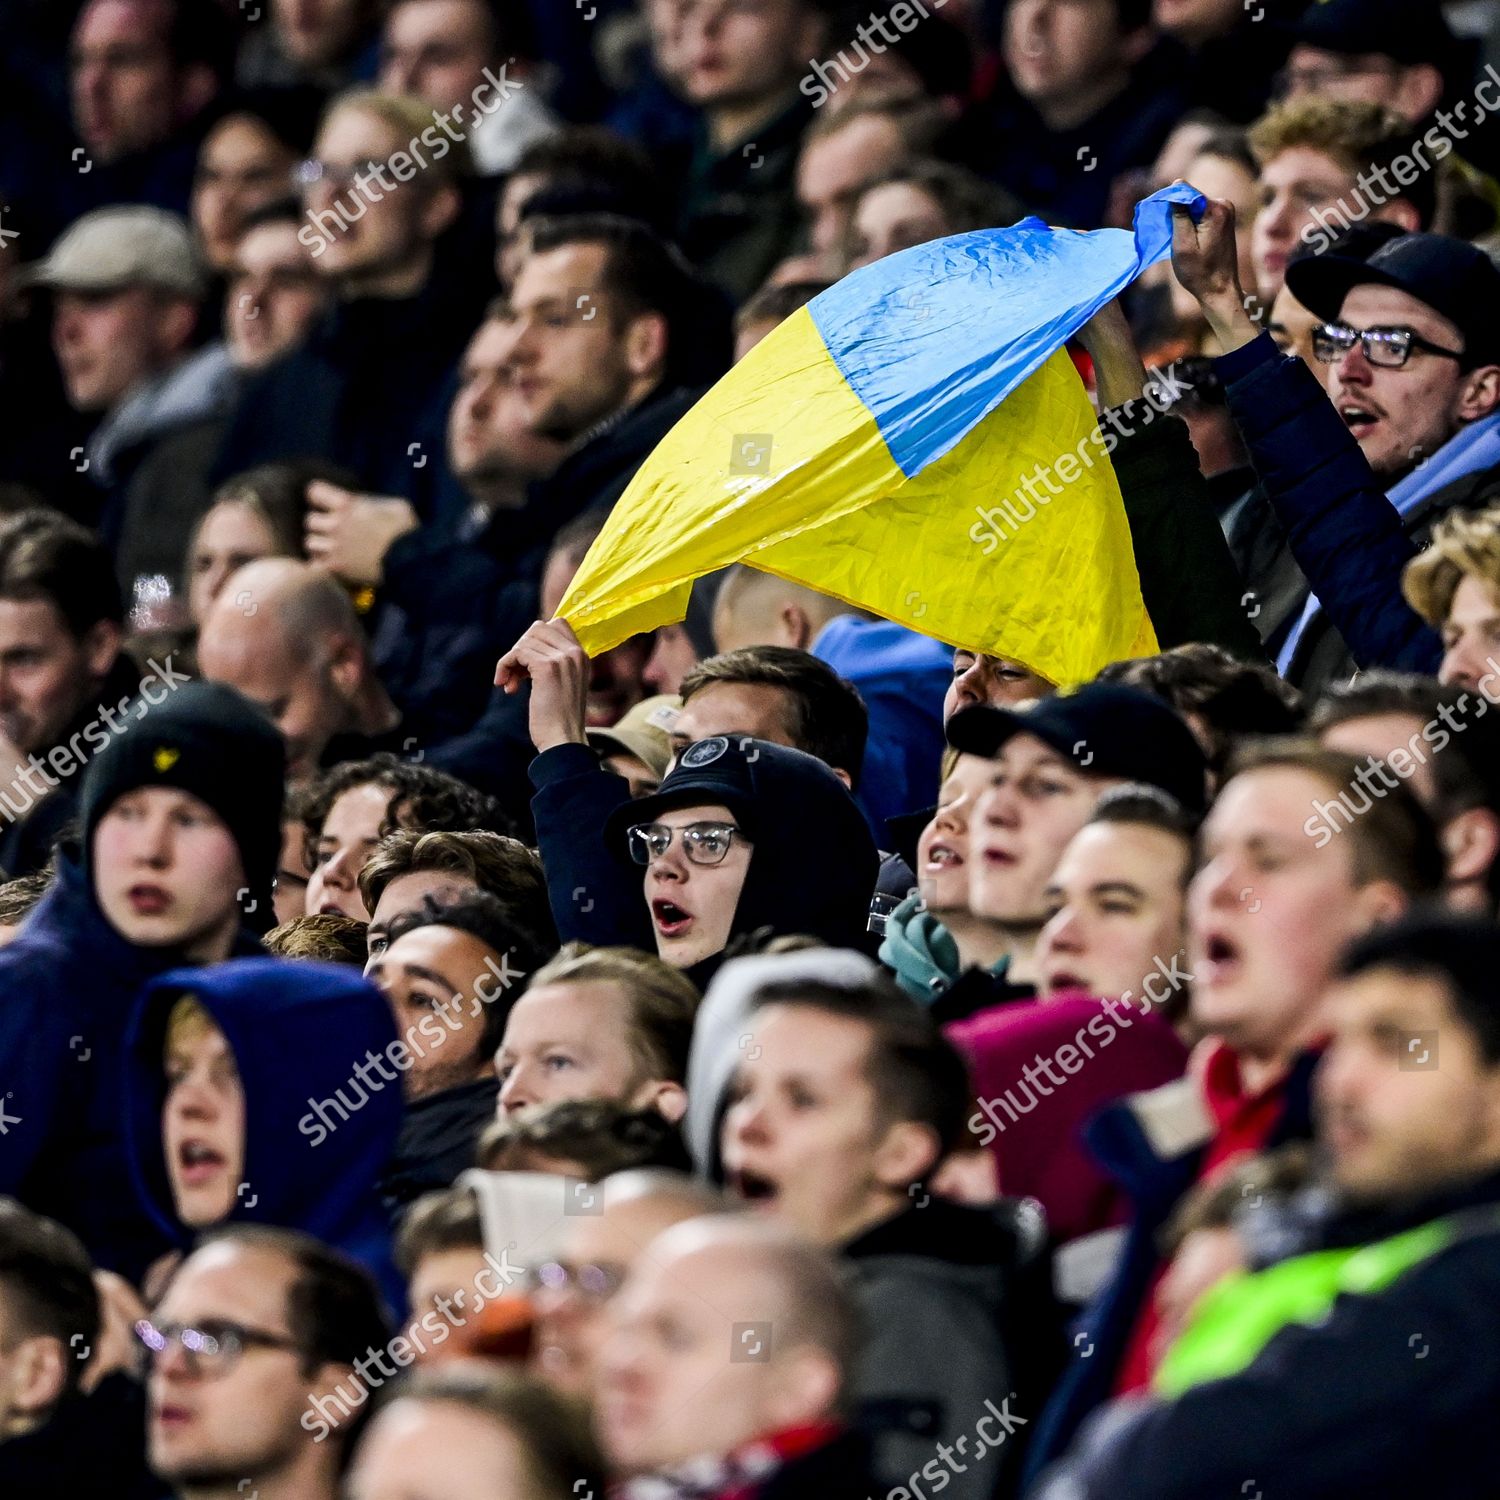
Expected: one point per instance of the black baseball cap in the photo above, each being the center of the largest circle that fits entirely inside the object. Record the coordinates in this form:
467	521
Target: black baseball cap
1450	275
1105	729
1409	32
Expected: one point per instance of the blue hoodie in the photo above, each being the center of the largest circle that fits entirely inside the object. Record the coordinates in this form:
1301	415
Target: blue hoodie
67	982
297	1030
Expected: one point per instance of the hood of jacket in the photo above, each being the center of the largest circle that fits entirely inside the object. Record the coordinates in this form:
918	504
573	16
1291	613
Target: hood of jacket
298	1031
199	389
813	863
919	951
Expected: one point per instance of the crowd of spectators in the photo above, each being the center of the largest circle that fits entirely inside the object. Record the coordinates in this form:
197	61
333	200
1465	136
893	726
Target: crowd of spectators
785	1056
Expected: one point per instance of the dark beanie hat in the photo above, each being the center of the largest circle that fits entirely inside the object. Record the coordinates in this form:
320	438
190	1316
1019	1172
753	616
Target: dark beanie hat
206	739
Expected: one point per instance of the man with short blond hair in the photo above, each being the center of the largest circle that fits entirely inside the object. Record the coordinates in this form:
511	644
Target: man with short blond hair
1324	167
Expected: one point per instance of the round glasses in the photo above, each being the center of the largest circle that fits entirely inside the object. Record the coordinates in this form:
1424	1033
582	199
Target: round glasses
213	1347
596	1283
703	843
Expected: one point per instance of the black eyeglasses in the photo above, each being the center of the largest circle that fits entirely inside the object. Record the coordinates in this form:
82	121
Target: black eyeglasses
1389	348
703	843
213	1347
1315	80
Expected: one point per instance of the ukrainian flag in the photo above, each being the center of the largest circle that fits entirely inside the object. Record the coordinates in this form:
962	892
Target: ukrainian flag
915	442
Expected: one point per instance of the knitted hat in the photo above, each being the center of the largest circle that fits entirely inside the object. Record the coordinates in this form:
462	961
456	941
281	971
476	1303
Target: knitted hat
206	739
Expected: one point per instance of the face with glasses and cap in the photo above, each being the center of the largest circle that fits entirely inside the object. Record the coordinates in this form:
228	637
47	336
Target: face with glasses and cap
1405	387
696	860
228	1383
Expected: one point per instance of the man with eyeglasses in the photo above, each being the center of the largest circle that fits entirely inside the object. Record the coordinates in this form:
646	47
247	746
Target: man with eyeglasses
253	1328
572	1294
1408	431
1391	52
745	835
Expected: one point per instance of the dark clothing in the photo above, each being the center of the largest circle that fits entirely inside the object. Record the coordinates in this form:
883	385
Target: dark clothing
437	1140
1274	588
1231	75
593	897
66	986
1066	175
1188	577
978	990
43	443
397	740
1346	536
31	830
956	1305
168	495
739	216
151	458
369	389
91	1445
54	179
1392	1394
453	600
321	1118
788	803
838	1470
1132	1141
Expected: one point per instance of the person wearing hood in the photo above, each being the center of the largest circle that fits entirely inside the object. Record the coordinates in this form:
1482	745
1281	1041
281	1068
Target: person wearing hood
845	1101
181	824
263	1091
776	693
742	836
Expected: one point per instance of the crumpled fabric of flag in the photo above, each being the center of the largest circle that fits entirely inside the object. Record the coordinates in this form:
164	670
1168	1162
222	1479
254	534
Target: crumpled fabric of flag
858	447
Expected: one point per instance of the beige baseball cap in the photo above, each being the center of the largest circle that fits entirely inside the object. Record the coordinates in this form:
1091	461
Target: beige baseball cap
643	732
113	248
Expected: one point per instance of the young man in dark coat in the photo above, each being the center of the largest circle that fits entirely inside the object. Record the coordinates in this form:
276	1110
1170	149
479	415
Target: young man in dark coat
846	1100
181	824
744	836
1364	1355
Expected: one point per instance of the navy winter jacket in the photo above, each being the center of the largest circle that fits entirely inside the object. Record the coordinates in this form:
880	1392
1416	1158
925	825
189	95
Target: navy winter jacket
67	983
319	1136
1347	537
